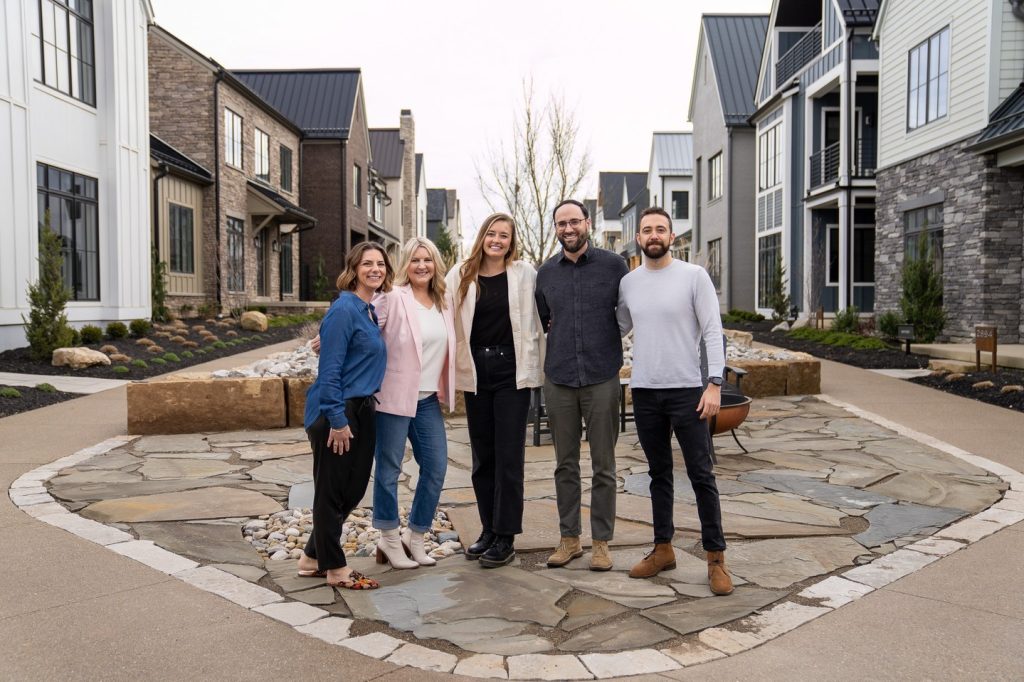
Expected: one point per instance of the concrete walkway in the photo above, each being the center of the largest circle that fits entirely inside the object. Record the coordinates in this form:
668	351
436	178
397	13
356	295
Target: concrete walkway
72	609
1007	354
83	385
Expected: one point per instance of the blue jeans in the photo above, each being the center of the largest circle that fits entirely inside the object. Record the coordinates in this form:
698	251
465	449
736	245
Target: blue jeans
430	449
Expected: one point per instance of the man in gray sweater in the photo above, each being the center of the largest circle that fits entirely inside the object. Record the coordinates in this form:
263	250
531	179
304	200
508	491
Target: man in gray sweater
670	306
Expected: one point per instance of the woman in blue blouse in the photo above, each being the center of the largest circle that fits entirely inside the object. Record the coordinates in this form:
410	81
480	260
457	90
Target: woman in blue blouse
341	413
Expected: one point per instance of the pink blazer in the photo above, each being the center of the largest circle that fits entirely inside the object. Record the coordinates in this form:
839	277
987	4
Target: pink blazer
400	326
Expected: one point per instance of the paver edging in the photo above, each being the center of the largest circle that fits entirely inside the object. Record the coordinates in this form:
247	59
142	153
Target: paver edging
766	624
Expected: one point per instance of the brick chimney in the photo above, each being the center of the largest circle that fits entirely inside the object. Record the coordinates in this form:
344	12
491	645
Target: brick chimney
407	131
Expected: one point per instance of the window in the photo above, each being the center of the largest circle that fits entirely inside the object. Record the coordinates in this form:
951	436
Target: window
182	239
286	169
769	253
232	138
68	201
715	177
261	144
261	243
286	263
236	255
715	262
769	158
928	81
66	44
680	205
924	222
357	184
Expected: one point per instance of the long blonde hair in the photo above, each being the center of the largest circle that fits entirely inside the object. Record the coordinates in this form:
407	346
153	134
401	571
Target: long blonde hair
347	280
471	268
436	287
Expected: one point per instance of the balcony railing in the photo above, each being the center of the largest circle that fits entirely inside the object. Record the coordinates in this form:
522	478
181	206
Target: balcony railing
824	166
798	56
866	159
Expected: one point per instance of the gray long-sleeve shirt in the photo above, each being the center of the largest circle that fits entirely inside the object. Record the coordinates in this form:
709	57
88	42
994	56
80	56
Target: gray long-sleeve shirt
669	311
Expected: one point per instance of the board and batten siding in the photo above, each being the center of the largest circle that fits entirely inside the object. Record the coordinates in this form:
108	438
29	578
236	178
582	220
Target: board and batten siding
188	194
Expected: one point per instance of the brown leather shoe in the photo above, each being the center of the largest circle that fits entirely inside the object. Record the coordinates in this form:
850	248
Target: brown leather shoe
600	560
718	574
661	558
568	549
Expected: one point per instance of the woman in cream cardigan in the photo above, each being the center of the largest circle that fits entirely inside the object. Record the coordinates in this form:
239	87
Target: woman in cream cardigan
498	359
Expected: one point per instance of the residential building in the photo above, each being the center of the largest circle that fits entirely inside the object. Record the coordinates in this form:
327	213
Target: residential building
817	123
421	198
670	184
454	218
629	221
723	200
951	158
407	132
75	148
388	152
337	185
437	213
615	189
232	243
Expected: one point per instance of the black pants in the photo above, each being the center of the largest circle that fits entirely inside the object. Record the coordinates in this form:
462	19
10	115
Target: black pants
339	480
497	433
659	413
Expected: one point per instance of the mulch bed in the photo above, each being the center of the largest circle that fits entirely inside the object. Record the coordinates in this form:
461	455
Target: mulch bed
963	385
31	399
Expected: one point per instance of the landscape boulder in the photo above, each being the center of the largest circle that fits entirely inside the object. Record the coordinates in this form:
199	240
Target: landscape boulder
254	321
78	358
184	405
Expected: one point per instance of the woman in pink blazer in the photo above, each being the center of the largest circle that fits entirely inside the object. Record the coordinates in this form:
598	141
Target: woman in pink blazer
416	319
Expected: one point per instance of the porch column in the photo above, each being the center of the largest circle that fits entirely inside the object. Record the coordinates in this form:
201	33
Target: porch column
845	239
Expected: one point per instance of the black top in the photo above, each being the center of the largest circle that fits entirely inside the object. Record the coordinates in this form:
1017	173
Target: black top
577	303
492	324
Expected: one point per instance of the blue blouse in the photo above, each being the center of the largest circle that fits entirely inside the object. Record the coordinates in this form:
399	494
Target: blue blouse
352	360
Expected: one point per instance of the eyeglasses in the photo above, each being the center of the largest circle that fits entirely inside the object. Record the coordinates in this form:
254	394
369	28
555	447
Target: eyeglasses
574	223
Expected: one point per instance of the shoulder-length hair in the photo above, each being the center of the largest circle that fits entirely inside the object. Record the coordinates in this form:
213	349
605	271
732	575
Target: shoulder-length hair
347	280
471	268
436	286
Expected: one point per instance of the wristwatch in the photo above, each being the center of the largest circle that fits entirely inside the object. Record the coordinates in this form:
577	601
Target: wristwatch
717	381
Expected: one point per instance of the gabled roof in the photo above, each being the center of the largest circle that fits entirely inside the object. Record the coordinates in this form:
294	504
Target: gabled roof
641	200
419	170
610	183
388	150
1006	123
320	102
735	43
672	153
437	204
291	210
176	160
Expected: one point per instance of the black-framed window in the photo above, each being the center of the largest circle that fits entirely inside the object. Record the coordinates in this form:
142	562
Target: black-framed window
357	185
70	202
769	252
286	169
286	264
236	254
715	262
928	221
261	243
182	237
67	54
261	151
715	177
928	80
232	138
769	158
681	205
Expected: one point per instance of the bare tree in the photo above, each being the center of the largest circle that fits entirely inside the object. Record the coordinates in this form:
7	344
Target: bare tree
541	165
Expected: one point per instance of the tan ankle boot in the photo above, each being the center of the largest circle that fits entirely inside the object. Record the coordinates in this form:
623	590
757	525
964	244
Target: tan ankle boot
661	558
600	560
718	574
568	549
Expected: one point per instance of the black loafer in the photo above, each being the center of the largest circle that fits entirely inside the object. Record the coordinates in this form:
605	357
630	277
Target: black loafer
483	543
500	553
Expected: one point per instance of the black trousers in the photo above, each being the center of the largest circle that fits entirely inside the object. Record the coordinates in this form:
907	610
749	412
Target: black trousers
659	413
339	480
496	416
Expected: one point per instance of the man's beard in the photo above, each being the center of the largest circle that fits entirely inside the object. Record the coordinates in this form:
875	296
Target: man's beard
654	249
581	241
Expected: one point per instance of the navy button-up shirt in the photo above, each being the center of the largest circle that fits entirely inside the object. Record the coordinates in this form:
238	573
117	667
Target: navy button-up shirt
577	303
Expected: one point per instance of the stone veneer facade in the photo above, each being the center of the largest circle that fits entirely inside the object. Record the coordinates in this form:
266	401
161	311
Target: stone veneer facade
982	238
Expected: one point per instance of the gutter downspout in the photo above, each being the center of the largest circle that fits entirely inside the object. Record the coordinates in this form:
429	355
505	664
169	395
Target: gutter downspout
216	185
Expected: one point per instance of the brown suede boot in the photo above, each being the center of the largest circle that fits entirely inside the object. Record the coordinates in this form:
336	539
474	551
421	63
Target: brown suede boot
661	558
600	560
718	574
568	549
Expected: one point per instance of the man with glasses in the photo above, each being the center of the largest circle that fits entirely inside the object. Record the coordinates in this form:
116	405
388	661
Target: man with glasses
577	293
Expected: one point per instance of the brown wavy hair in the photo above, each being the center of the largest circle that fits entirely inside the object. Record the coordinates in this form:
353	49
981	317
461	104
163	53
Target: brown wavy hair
471	268
347	280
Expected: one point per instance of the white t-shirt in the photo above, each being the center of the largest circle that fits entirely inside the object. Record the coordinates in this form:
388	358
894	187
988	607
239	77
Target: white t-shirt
669	311
434	348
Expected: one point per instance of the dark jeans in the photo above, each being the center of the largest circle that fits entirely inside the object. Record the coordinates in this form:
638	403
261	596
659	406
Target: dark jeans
339	480
496	416
659	413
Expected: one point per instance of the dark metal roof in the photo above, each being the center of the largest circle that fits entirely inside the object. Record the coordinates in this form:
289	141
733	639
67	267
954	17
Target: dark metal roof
611	190
640	201
591	205
859	12
673	153
290	209
388	150
1006	121
735	43
437	204
165	153
320	102
419	169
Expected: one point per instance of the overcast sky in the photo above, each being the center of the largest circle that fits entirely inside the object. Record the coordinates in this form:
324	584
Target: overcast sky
624	67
